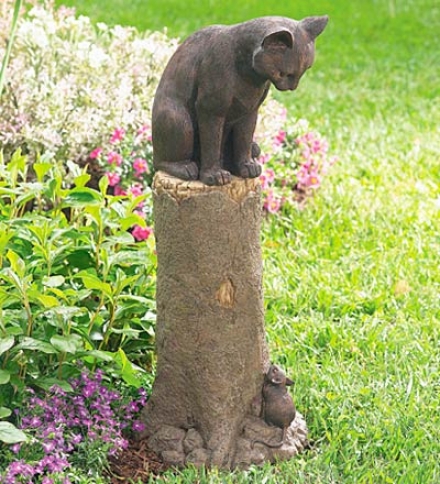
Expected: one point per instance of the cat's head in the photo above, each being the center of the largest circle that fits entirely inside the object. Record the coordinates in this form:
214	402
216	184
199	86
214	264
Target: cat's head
285	54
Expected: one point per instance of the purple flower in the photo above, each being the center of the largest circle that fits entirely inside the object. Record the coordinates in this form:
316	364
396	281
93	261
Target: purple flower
133	407
138	426
49	446
16	448
59	421
89	389
20	468
76	438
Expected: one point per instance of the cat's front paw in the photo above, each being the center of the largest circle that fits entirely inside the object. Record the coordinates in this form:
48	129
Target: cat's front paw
255	150
249	169
215	177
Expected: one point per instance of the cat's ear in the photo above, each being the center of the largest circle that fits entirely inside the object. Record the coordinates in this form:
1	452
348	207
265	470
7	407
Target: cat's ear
282	38
314	25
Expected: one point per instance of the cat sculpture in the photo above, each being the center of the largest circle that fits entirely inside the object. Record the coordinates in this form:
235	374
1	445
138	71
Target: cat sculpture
206	104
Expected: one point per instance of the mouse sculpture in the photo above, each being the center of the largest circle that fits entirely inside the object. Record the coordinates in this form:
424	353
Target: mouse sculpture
278	407
206	105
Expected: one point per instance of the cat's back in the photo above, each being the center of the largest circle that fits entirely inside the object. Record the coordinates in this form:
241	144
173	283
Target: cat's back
200	44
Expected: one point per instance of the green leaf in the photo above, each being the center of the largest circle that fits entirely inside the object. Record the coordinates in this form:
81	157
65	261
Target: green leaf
48	301
140	299
5	412
53	281
41	169
90	356
127	372
80	259
82	197
9	191
5	376
4	238
6	343
66	344
92	282
17	263
128	258
81	180
47	383
58	293
68	312
32	190
35	345
17	163
122	238
9	44
103	184
128	222
10	434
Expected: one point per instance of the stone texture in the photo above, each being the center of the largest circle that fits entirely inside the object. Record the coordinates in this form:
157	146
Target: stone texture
210	337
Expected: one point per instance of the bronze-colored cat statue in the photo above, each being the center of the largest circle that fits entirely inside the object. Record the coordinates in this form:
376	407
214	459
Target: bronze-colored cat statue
206	105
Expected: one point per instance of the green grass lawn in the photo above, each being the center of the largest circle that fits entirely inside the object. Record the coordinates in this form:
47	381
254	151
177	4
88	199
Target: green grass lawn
352	282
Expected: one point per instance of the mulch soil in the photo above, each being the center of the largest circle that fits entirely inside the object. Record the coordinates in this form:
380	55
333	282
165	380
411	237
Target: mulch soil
136	463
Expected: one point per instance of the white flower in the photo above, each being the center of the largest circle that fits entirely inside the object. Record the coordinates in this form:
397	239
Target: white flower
35	35
97	57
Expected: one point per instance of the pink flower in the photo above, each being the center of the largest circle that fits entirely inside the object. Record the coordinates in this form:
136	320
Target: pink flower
267	178
270	174
263	159
319	146
141	233
272	203
279	139
283	114
95	153
114	158
136	190
119	191
118	135
113	178
140	166
139	212
308	178
144	133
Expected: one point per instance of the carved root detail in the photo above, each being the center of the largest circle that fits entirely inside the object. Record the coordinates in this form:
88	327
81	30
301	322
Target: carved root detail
180	447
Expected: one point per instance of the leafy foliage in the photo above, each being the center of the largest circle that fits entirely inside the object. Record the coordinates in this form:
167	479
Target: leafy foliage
74	286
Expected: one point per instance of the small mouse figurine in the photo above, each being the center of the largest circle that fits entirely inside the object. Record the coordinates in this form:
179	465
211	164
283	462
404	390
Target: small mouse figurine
278	407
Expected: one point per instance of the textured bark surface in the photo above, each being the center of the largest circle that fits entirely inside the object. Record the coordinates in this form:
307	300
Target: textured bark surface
210	339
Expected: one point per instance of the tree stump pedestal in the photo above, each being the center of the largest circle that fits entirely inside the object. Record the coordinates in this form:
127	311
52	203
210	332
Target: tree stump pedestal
210	340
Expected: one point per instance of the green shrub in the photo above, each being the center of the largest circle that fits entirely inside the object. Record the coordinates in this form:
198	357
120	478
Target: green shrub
74	285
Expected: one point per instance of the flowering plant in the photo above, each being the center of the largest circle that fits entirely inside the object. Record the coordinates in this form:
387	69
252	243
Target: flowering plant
127	161
72	429
85	93
70	82
293	165
295	159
